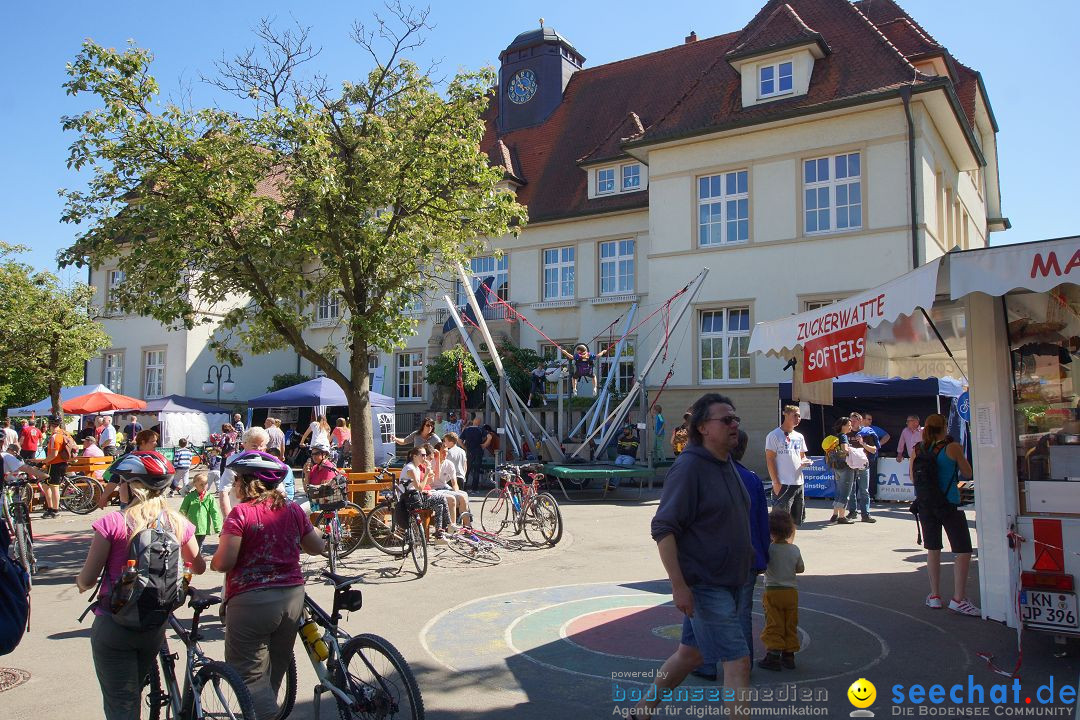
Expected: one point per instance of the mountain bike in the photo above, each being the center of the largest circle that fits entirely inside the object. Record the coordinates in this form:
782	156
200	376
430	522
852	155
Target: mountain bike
473	545
341	521
517	506
211	689
79	494
394	525
366	674
16	512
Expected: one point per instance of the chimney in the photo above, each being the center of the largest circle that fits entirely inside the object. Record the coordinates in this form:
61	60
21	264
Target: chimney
692	37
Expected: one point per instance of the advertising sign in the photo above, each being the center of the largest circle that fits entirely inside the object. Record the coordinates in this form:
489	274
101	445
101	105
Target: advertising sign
818	479
835	354
893	480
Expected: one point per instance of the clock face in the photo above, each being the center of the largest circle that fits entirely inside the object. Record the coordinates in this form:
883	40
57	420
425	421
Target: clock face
522	87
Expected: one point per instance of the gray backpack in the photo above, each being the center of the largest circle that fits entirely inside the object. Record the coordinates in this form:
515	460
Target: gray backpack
150	589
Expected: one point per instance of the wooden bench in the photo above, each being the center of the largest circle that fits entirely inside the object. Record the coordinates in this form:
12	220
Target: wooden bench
87	465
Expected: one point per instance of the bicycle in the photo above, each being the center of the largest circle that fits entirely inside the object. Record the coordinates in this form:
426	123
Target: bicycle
17	517
79	494
211	689
328	501
521	506
348	667
394	526
473	545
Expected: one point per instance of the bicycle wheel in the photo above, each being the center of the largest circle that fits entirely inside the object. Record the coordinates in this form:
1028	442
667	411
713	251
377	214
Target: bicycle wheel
77	495
332	545
24	550
418	549
352	521
379	680
221	693
495	512
543	520
477	550
286	695
385	534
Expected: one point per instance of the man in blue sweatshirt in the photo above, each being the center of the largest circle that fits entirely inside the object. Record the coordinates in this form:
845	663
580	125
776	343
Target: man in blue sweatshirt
702	531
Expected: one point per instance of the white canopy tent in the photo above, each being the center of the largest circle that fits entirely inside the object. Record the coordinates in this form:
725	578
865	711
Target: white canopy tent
44	407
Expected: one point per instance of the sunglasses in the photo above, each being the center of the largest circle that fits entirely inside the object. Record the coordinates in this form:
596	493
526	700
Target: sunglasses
727	419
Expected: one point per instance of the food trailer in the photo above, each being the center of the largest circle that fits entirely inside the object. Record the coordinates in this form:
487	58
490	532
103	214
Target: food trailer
1006	322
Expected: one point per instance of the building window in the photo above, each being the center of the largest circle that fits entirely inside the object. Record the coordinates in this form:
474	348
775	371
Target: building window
605	181
625	379
154	374
386	428
552	357
329	308
559	273
114	371
631	177
833	193
482	268
774	79
373	363
115	279
725	342
723	208
809	305
616	267
410	376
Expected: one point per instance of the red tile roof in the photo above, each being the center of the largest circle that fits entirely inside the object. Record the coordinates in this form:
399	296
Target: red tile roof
693	89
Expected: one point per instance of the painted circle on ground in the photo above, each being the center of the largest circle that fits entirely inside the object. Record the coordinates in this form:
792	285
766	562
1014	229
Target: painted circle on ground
627	631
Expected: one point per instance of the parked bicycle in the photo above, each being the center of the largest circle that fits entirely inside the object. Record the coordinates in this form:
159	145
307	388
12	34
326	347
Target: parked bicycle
17	518
211	689
366	674
395	525
474	544
516	506
341	521
79	494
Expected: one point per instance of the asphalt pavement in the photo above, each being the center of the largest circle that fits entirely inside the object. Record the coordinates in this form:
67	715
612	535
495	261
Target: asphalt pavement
577	630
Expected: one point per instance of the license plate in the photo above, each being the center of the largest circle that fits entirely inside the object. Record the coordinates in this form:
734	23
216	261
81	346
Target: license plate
1049	609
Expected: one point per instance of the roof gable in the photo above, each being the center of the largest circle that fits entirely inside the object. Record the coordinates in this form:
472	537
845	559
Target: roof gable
781	28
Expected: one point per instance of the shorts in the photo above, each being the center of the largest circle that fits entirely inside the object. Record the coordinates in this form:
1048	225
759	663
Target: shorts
27	454
109	451
715	629
57	472
954	522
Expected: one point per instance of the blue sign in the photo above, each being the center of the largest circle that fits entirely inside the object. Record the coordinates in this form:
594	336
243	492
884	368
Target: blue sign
963	406
818	479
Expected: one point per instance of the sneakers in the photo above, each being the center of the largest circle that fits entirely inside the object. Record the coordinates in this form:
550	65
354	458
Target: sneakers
49	514
844	521
867	518
964	607
852	516
933	601
833	520
787	660
771	661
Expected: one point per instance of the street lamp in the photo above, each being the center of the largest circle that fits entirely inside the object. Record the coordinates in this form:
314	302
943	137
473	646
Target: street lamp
227	385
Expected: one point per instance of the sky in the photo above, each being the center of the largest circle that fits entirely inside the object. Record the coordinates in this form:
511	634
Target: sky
1023	50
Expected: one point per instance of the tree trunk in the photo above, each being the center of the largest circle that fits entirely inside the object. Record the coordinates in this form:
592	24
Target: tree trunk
363	432
54	395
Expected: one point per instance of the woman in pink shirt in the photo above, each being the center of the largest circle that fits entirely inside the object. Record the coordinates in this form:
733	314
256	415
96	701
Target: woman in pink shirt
123	656
259	552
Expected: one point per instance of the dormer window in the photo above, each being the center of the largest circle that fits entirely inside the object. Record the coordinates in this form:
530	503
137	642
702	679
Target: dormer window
775	79
617	179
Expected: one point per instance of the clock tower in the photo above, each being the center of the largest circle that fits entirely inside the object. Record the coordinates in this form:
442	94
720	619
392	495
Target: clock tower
533	72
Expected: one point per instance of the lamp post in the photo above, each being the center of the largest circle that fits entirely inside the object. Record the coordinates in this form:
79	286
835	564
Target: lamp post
217	371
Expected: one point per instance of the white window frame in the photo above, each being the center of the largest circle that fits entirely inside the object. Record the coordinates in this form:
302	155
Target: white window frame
625	378
776	75
113	279
627	172
387	422
485	266
328	308
726	337
818	303
551	355
831	190
563	268
409	375
154	373
600	181
112	370
718	195
617	269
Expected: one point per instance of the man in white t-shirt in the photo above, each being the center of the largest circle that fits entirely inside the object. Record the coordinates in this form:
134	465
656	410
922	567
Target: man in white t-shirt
12	464
10	436
107	440
785	456
456	454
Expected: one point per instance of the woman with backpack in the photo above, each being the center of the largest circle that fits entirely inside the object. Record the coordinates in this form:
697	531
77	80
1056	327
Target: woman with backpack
843	473
939	511
126	634
259	552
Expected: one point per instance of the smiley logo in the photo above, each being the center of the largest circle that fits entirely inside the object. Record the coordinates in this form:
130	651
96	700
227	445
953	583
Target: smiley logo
862	693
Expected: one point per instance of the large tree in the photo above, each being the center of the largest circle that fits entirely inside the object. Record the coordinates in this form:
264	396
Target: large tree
367	194
47	331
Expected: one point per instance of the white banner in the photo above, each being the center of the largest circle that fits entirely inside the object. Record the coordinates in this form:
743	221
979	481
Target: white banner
893	480
1037	266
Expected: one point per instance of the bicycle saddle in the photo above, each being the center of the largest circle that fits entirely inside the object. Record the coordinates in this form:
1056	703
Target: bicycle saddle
341	581
202	599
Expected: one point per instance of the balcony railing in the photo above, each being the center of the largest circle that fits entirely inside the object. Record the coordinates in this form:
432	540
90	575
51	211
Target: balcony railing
491	313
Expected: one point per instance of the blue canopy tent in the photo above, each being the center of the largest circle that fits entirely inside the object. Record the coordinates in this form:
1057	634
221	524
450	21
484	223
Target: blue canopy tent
321	393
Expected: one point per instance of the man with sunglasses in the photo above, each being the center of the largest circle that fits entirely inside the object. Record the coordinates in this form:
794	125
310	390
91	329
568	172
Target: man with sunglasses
785	456
702	531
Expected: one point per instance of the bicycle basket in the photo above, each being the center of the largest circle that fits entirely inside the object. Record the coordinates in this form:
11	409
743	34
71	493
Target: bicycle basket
328	496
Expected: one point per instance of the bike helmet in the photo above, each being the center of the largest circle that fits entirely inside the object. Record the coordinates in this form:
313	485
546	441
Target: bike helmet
259	465
146	466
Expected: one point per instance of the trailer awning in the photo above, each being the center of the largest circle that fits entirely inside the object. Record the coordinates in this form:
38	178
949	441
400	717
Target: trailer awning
1036	266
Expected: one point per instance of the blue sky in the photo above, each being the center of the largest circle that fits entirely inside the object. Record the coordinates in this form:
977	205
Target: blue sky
1026	53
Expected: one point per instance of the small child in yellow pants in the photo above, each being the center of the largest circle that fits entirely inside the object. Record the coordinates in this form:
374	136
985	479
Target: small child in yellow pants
781	598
